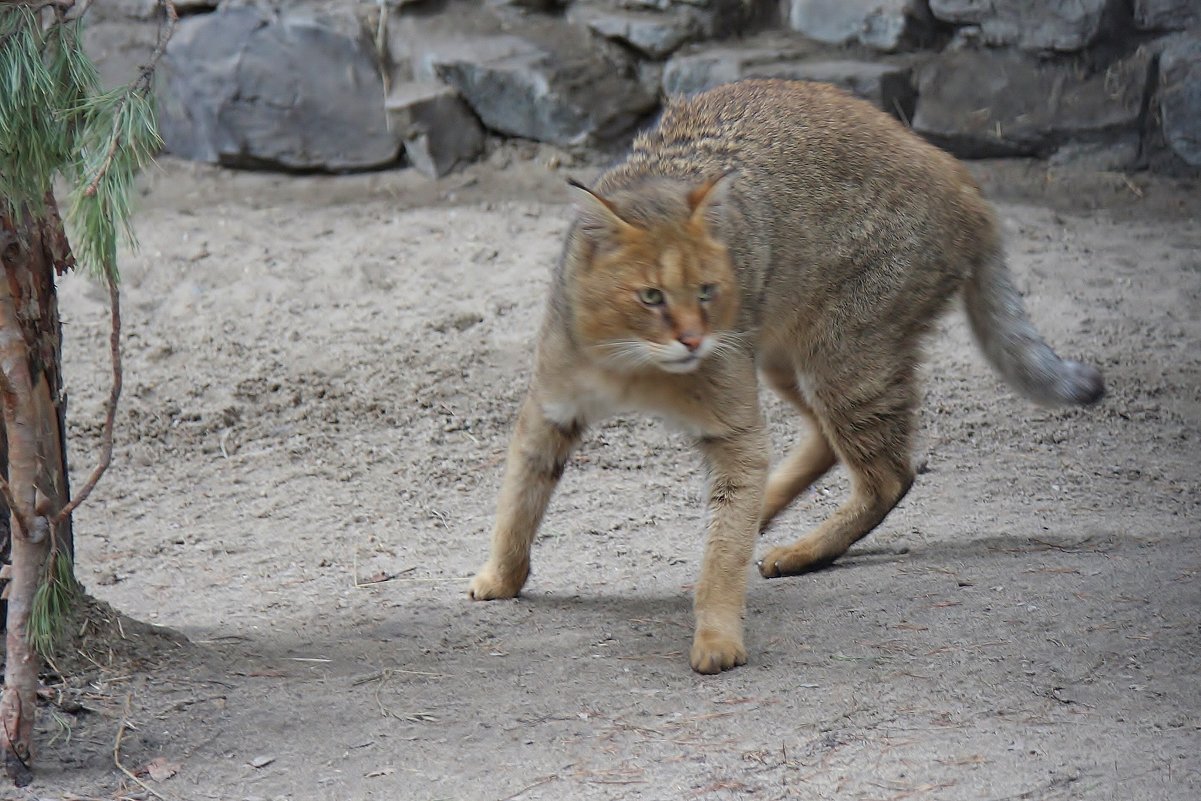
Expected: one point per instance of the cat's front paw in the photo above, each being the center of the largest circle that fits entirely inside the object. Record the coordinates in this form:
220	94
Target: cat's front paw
715	651
491	584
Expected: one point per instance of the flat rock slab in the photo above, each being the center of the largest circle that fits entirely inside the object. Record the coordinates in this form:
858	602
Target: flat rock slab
437	128
1166	15
887	85
1180	97
1058	25
982	103
887	25
247	88
654	34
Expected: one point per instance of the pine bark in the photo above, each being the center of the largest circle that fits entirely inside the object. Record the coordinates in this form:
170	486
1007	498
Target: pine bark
33	252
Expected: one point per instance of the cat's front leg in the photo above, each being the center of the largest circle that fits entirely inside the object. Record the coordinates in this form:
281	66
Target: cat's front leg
738	470
538	453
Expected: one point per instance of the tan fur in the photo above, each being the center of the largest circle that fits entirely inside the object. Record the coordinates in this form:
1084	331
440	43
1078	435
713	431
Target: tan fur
787	229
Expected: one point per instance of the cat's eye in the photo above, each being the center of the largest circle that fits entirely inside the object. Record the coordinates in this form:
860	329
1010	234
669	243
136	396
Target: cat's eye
651	296
707	292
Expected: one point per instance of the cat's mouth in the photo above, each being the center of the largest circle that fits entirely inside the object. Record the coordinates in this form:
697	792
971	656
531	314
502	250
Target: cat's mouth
680	359
684	364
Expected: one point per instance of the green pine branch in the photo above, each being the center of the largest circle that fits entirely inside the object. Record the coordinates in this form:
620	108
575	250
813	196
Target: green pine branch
55	123
52	603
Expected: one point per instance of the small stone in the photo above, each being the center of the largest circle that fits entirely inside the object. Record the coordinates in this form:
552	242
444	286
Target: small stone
437	128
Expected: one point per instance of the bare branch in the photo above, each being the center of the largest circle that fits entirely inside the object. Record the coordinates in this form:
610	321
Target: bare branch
166	30
22	517
110	412
124	724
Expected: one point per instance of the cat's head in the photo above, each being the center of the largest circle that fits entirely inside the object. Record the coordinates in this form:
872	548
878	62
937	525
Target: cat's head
652	287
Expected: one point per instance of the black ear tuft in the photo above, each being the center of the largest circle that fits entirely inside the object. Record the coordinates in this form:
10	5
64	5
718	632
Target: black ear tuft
706	200
598	216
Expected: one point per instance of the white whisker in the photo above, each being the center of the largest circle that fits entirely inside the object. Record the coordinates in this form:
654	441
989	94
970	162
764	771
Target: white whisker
728	343
625	352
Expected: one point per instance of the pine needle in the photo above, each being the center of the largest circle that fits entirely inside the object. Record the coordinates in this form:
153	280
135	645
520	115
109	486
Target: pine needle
52	604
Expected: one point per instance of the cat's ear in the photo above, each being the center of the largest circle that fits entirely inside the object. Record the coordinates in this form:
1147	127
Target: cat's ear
597	215
706	200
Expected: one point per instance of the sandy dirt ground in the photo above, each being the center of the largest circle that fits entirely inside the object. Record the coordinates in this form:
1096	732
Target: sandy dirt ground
321	377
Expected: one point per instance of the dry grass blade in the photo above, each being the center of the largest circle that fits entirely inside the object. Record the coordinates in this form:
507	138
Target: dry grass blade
124	724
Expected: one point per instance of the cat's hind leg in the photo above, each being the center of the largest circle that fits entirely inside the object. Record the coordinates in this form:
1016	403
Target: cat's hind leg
808	461
870	430
538	453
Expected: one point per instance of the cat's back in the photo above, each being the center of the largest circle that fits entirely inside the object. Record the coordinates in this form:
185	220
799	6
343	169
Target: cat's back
793	129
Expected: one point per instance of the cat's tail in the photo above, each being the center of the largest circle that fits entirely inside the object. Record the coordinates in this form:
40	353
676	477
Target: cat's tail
1014	347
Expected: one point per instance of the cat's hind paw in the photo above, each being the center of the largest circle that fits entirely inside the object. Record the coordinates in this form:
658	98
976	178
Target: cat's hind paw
791	560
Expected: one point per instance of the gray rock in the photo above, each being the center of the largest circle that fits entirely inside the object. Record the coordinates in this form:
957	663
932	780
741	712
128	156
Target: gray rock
438	130
429	54
652	33
124	9
887	25
119	49
718	19
244	87
688	73
1058	25
1000	103
554	82
1167	15
1123	153
885	84
145	9
530	5
1180	97
697	69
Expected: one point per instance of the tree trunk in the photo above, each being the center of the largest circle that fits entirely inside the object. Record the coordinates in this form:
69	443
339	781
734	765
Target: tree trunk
32	252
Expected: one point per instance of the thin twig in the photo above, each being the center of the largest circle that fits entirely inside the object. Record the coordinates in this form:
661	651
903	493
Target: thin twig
531	786
81	9
108	157
110	414
165	31
117	754
14	507
141	85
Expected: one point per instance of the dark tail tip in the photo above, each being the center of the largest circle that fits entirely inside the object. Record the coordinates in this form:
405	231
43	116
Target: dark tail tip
1082	384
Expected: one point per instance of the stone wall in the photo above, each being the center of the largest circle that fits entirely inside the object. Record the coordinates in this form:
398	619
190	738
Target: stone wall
345	85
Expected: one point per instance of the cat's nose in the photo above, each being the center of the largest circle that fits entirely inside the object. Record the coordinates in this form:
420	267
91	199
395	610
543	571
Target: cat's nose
690	341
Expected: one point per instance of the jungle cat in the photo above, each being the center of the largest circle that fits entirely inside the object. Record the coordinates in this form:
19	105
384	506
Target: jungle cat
773	227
